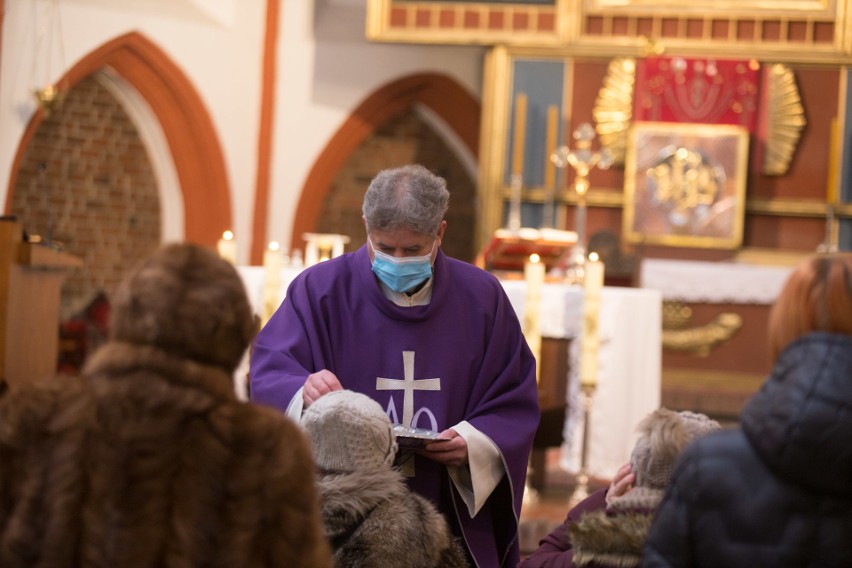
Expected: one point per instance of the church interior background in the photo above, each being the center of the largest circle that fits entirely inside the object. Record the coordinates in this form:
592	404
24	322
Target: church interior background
124	125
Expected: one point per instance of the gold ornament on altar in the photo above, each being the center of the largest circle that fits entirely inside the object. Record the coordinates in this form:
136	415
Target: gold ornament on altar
320	247
583	159
613	113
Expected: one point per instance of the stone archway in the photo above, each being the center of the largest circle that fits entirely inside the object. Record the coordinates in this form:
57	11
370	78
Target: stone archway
453	104
186	124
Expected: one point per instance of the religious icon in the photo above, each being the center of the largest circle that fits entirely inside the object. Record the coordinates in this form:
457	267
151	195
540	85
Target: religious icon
685	184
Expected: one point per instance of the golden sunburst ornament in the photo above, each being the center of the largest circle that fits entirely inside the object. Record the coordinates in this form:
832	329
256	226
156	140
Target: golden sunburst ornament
786	120
613	108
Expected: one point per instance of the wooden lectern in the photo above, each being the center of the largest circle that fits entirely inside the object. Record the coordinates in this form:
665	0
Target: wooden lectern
30	284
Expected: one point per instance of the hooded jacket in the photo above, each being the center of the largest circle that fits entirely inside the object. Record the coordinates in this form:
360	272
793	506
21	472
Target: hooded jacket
778	490
373	520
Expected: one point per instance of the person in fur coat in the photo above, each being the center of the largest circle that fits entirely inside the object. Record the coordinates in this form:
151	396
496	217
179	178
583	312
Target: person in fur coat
149	459
608	529
371	517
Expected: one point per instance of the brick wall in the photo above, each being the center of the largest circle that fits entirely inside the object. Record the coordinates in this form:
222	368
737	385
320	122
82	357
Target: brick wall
86	182
403	140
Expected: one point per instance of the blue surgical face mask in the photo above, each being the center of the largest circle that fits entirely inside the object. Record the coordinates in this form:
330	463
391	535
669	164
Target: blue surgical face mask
402	273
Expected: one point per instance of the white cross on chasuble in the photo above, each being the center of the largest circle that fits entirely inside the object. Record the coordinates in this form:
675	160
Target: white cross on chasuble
408	384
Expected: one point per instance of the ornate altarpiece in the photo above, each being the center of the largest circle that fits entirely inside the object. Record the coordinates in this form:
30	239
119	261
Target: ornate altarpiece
789	38
582	56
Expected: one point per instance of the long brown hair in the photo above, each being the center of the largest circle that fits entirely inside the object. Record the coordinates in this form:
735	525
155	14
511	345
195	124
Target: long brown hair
816	297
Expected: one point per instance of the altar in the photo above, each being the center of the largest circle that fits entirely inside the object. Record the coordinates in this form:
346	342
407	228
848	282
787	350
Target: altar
629	359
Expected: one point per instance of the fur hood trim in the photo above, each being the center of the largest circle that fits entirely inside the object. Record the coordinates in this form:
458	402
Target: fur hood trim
610	539
638	499
349	497
117	361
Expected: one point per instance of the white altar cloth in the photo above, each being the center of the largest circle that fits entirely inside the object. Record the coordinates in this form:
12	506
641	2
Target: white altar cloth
714	282
253	279
629	367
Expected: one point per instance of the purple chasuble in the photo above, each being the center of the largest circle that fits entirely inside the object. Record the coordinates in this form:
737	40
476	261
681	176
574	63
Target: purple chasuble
335	317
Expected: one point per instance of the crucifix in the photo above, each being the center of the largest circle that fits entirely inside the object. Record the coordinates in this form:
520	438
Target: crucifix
408	384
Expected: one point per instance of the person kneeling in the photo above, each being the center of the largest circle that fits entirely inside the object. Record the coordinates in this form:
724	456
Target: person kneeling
371	517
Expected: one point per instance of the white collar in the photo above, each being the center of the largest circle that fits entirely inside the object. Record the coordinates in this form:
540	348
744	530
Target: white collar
422	297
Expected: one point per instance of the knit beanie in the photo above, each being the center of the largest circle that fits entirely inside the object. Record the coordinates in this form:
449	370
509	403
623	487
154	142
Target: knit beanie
349	432
663	435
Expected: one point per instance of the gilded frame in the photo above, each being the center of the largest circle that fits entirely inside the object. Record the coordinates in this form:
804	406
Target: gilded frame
805	8
685	185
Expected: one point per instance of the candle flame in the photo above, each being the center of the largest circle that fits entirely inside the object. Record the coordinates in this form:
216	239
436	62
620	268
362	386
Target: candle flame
228	236
274	246
535	258
593	256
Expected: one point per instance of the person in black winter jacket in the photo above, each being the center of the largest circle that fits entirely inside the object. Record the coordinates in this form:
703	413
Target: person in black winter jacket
777	491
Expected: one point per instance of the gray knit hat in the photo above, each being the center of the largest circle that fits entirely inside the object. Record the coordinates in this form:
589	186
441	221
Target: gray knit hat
663	435
349	432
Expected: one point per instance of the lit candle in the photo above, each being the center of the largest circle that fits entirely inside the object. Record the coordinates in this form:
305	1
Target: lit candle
519	135
590	339
227	247
534	278
272	279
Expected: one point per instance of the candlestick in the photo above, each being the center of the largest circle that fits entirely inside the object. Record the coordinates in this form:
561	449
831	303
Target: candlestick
550	166
592	285
516	182
534	278
272	279
519	134
227	247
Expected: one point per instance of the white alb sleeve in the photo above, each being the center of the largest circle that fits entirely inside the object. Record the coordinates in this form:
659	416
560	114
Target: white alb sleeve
294	409
484	470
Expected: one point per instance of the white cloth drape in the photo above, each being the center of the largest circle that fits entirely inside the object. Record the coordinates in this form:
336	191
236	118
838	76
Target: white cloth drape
714	282
629	366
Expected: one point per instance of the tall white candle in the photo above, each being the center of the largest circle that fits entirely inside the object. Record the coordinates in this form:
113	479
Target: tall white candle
590	339
272	279
534	278
227	247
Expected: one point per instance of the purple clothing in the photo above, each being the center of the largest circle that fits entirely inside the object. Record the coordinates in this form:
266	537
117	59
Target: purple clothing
555	550
335	317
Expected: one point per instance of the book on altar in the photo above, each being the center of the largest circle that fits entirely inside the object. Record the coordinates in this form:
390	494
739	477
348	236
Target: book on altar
509	250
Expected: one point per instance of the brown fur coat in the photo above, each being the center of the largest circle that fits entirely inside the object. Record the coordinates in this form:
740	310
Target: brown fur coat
149	460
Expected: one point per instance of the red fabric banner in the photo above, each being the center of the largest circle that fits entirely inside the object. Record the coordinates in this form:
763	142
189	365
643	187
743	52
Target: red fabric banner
706	91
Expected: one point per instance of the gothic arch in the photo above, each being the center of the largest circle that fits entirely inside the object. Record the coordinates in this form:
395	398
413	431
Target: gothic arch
188	128
440	93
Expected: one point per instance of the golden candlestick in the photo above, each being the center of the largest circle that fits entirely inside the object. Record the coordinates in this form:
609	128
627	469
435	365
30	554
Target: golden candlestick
517	179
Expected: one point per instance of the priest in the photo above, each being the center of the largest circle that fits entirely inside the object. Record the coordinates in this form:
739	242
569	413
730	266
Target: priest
433	340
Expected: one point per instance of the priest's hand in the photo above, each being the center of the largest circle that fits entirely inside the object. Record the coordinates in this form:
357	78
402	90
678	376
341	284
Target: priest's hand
318	384
452	453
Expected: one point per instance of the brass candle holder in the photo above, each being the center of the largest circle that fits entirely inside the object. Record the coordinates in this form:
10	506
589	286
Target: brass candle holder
582	159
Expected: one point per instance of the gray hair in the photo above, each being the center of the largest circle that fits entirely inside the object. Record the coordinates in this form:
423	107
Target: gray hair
410	197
